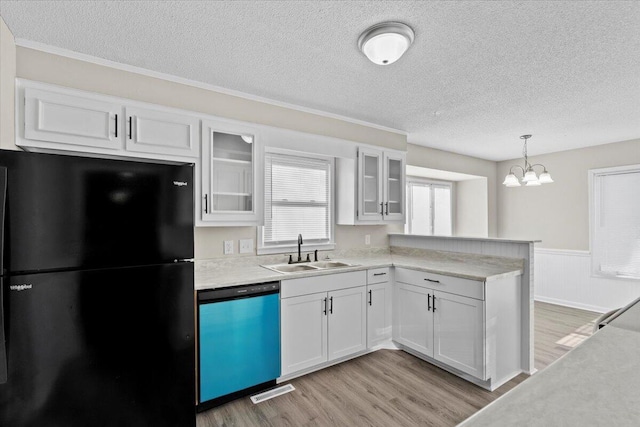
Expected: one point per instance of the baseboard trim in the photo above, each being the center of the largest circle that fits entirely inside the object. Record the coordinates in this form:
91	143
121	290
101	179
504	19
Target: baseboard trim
572	304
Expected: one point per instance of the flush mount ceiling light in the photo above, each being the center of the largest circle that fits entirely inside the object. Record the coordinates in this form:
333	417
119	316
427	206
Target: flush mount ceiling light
529	176
386	42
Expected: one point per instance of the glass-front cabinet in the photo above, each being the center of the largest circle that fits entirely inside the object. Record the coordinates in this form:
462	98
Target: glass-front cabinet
381	191
229	172
394	188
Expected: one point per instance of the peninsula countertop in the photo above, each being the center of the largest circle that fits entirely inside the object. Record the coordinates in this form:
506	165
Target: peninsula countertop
594	384
219	273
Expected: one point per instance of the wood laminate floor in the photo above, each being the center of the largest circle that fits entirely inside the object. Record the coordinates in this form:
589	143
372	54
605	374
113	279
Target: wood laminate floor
392	388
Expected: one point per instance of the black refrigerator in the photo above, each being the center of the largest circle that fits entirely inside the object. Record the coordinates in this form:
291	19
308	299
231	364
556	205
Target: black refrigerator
96	292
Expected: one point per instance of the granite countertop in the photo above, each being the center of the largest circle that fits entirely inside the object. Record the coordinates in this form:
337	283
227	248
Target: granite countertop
218	273
595	384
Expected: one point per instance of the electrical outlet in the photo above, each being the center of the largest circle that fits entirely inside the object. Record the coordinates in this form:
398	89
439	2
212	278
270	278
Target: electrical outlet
228	247
246	246
367	239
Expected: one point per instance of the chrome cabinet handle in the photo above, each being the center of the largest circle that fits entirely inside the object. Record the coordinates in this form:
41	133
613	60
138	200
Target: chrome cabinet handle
206	204
381	208
379	274
434	303
370	298
386	208
429	302
432	281
325	306
116	125
130	131
331	305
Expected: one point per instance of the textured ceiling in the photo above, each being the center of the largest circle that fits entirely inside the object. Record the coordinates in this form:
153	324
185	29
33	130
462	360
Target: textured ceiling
478	75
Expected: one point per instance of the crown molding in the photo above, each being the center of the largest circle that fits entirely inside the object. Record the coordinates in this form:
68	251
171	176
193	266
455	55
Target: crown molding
181	80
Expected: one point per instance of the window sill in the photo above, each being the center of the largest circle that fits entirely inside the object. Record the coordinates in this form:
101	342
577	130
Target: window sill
270	250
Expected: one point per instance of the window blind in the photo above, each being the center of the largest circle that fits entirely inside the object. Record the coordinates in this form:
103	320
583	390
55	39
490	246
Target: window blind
616	224
297	199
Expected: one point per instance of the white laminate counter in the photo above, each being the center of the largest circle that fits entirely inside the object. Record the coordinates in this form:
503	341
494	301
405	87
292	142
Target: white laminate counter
212	274
595	384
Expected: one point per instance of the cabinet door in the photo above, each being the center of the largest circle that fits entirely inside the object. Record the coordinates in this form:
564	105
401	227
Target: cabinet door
229	173
304	332
347	322
379	322
459	332
415	321
370	204
394	188
159	132
72	120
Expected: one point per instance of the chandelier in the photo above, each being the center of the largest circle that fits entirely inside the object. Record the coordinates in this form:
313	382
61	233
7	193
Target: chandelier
529	176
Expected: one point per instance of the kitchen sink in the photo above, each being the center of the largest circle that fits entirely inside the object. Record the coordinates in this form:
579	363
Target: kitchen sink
290	268
318	265
330	264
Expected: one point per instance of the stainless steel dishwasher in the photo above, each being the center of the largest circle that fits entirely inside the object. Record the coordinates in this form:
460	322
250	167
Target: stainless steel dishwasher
239	342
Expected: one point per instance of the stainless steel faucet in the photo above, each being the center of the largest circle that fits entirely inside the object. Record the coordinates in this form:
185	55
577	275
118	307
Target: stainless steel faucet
299	245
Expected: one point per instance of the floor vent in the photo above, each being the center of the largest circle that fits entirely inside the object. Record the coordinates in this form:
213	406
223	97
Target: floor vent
279	391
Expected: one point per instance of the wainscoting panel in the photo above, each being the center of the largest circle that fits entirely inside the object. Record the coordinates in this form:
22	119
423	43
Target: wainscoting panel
564	277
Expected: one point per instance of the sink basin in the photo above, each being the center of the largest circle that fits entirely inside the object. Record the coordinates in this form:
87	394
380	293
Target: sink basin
330	264
290	268
318	265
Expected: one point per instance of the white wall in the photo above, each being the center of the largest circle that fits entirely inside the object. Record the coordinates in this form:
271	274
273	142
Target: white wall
7	82
472	208
558	214
444	160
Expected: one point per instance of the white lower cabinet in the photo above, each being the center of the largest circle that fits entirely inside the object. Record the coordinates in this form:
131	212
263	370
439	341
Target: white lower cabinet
379	310
470	326
304	332
323	326
446	327
458	332
467	326
415	322
347	320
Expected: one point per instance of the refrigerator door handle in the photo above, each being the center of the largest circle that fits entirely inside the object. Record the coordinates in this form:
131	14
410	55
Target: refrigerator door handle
3	205
3	344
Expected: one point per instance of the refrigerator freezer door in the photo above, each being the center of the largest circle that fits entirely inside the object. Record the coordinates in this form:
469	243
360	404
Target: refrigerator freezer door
66	212
100	347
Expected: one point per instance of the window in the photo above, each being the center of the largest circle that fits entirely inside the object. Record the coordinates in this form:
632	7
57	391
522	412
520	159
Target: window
429	207
615	222
298	200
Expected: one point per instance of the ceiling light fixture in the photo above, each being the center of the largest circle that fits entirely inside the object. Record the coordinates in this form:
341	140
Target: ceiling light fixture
529	176
386	42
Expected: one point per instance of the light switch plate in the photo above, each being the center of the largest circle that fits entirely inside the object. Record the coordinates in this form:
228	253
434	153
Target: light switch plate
246	246
228	247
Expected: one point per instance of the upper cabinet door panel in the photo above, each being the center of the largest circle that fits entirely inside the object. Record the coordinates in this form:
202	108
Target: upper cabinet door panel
152	131
394	188
370	205
76	120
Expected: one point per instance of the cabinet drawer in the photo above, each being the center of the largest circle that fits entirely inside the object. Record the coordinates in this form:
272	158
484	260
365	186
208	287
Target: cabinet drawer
440	282
325	283
377	275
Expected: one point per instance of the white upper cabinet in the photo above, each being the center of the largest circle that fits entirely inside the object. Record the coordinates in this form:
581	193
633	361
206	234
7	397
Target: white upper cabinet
371	190
54	118
230	194
72	120
158	132
394	190
370	204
